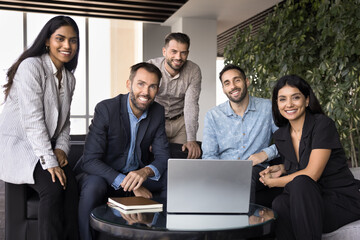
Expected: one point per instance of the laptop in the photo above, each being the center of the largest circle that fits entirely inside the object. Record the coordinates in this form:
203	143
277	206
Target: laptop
208	186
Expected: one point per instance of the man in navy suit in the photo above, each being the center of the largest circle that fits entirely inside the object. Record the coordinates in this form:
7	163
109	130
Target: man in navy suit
126	149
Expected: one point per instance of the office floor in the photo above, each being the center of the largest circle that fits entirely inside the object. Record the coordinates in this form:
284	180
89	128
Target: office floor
2	210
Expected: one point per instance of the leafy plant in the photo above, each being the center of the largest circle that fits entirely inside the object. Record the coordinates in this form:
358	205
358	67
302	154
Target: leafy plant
318	40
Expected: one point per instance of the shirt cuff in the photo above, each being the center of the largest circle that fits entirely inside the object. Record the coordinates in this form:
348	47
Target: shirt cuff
191	138
48	161
270	152
118	180
190	135
157	175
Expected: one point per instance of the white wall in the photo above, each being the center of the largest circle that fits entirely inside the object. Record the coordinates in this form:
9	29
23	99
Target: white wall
203	48
153	40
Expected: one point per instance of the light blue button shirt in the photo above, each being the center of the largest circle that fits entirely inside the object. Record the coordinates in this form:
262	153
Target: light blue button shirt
230	136
132	162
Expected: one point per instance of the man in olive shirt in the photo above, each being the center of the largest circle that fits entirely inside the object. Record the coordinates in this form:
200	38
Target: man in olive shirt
179	92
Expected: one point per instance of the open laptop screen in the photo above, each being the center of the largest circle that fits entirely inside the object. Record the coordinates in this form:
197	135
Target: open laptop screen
208	186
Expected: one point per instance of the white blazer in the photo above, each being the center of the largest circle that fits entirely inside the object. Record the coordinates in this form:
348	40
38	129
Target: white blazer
31	117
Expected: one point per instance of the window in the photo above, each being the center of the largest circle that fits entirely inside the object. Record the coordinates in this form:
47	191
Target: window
11	42
220	96
93	73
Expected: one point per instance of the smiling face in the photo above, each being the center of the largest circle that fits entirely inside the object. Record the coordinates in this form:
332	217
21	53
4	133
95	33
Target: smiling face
143	89
63	44
292	103
175	54
234	86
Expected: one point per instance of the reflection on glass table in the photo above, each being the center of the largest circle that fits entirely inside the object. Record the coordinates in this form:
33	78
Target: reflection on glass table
137	218
152	225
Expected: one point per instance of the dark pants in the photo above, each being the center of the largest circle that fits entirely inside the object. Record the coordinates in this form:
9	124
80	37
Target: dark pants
256	185
57	218
303	213
259	190
94	191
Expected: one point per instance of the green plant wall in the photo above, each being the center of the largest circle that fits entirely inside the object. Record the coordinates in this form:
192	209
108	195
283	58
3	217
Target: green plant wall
317	40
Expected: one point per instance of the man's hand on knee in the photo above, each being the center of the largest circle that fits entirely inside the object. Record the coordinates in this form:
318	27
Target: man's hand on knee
134	179
193	148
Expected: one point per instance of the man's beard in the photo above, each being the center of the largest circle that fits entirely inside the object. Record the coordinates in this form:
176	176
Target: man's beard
169	63
242	96
136	105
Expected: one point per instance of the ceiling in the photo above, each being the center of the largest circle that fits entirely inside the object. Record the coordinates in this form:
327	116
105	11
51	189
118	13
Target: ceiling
227	12
141	10
230	14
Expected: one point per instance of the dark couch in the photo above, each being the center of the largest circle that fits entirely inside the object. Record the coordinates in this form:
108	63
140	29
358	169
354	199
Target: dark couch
21	202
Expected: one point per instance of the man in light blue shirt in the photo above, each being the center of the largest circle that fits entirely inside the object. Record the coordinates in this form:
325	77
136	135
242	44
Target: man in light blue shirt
240	128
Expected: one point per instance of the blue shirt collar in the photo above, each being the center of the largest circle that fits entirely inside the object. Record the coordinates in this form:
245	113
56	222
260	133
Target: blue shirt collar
251	107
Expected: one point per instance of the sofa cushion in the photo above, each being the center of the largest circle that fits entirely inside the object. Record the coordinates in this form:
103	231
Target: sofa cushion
356	172
350	231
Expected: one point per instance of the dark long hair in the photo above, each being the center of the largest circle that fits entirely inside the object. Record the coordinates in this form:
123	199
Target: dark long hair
304	88
38	48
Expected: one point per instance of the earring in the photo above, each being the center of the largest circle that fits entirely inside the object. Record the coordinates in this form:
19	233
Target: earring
47	48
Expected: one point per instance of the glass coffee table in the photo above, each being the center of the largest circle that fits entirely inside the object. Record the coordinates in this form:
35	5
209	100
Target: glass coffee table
162	225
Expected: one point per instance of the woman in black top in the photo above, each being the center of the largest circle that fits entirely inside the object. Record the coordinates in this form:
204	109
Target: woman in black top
320	193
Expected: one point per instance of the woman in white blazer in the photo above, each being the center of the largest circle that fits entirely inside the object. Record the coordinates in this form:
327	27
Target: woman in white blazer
35	126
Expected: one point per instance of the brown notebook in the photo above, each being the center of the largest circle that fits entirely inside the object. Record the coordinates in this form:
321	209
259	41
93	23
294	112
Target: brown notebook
130	203
130	211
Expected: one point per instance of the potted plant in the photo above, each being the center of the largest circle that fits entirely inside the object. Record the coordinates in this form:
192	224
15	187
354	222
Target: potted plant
318	40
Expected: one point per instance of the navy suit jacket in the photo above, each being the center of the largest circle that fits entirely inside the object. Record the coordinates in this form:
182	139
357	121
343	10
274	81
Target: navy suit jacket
108	141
